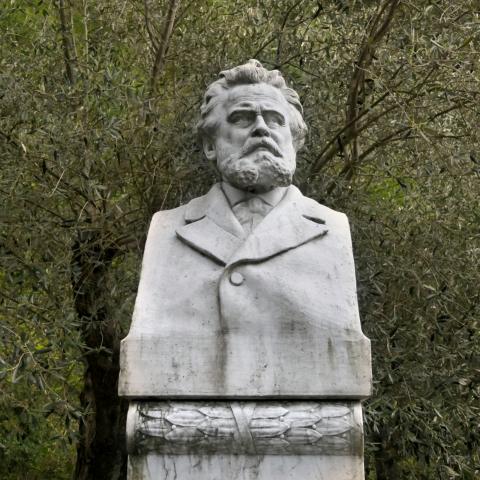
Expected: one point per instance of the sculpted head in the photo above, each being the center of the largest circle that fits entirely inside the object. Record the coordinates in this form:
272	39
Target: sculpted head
252	126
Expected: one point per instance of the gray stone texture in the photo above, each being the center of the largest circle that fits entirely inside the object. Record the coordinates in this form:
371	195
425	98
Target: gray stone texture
244	467
290	327
245	358
255	428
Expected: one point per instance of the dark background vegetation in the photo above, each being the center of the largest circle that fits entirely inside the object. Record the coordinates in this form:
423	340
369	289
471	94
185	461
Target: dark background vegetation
98	100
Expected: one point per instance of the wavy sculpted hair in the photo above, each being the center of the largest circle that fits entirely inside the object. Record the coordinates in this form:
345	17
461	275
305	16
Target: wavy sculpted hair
250	73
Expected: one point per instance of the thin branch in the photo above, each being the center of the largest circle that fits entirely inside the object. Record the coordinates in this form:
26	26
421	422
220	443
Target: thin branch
262	47
347	170
331	148
341	139
9	139
447	110
181	14
69	185
349	132
34	271
378	28
67	42
85	30
38	205
393	136
281	30
148	25
164	44
300	54
28	306
397	135
308	72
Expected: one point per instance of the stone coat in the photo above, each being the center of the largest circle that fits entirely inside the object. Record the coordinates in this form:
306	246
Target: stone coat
222	315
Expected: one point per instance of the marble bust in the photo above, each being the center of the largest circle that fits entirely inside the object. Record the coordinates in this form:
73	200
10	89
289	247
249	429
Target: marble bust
245	358
248	291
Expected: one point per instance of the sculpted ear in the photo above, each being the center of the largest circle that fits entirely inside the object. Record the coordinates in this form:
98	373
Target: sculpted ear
209	149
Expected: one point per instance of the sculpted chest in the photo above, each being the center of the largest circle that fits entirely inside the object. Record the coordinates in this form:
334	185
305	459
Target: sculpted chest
228	314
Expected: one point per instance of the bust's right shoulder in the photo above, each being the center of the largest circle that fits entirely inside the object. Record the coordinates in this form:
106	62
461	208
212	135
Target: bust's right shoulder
168	219
186	213
170	214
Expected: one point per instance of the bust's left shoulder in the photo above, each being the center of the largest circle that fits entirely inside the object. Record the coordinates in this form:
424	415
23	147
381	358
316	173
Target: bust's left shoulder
332	218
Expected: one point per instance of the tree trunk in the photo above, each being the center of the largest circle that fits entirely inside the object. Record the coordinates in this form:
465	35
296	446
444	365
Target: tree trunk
386	460
101	452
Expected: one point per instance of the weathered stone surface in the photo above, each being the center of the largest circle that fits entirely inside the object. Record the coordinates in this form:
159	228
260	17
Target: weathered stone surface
247	293
245	467
261	428
291	328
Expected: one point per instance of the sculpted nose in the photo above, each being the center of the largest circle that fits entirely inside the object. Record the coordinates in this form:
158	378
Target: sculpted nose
260	128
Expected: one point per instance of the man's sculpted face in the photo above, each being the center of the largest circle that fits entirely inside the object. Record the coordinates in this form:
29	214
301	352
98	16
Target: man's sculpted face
253	142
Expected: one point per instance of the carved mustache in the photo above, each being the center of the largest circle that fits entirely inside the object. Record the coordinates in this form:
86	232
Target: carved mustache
254	144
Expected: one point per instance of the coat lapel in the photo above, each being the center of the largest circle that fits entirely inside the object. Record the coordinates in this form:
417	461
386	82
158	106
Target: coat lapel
211	227
213	230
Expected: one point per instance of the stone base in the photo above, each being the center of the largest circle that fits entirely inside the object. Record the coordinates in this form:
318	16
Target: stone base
244	467
264	440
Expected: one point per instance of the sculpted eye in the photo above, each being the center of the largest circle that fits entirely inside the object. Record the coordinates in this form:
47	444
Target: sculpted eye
274	119
242	118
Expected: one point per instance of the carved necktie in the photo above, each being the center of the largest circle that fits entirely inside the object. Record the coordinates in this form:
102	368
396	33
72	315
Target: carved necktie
251	212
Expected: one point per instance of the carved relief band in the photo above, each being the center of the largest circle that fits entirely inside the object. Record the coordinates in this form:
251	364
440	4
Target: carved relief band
262	428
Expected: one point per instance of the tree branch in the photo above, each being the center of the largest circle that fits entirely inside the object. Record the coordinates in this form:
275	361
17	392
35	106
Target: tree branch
332	147
148	26
181	14
67	42
349	132
281	30
379	27
161	51
397	135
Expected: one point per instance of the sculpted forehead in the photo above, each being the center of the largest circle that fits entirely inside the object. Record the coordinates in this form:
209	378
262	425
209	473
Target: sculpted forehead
258	94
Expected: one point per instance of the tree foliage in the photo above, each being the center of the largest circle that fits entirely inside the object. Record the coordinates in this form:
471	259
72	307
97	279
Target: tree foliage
99	100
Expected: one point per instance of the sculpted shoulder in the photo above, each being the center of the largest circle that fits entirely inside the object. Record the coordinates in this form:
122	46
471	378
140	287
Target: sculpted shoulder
176	217
332	218
191	211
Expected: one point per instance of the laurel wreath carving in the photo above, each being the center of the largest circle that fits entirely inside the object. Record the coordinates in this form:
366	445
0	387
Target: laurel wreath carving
246	427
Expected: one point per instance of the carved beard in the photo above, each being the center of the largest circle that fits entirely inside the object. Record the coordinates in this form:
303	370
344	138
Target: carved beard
259	170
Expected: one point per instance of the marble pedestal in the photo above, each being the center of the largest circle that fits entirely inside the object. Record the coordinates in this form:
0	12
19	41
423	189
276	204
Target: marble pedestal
264	440
242	467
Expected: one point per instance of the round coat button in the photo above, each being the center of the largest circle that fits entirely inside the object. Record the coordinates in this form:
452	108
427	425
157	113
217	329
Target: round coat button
236	278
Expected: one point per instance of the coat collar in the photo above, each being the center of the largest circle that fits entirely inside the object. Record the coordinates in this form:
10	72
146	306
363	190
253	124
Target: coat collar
212	228
236	196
